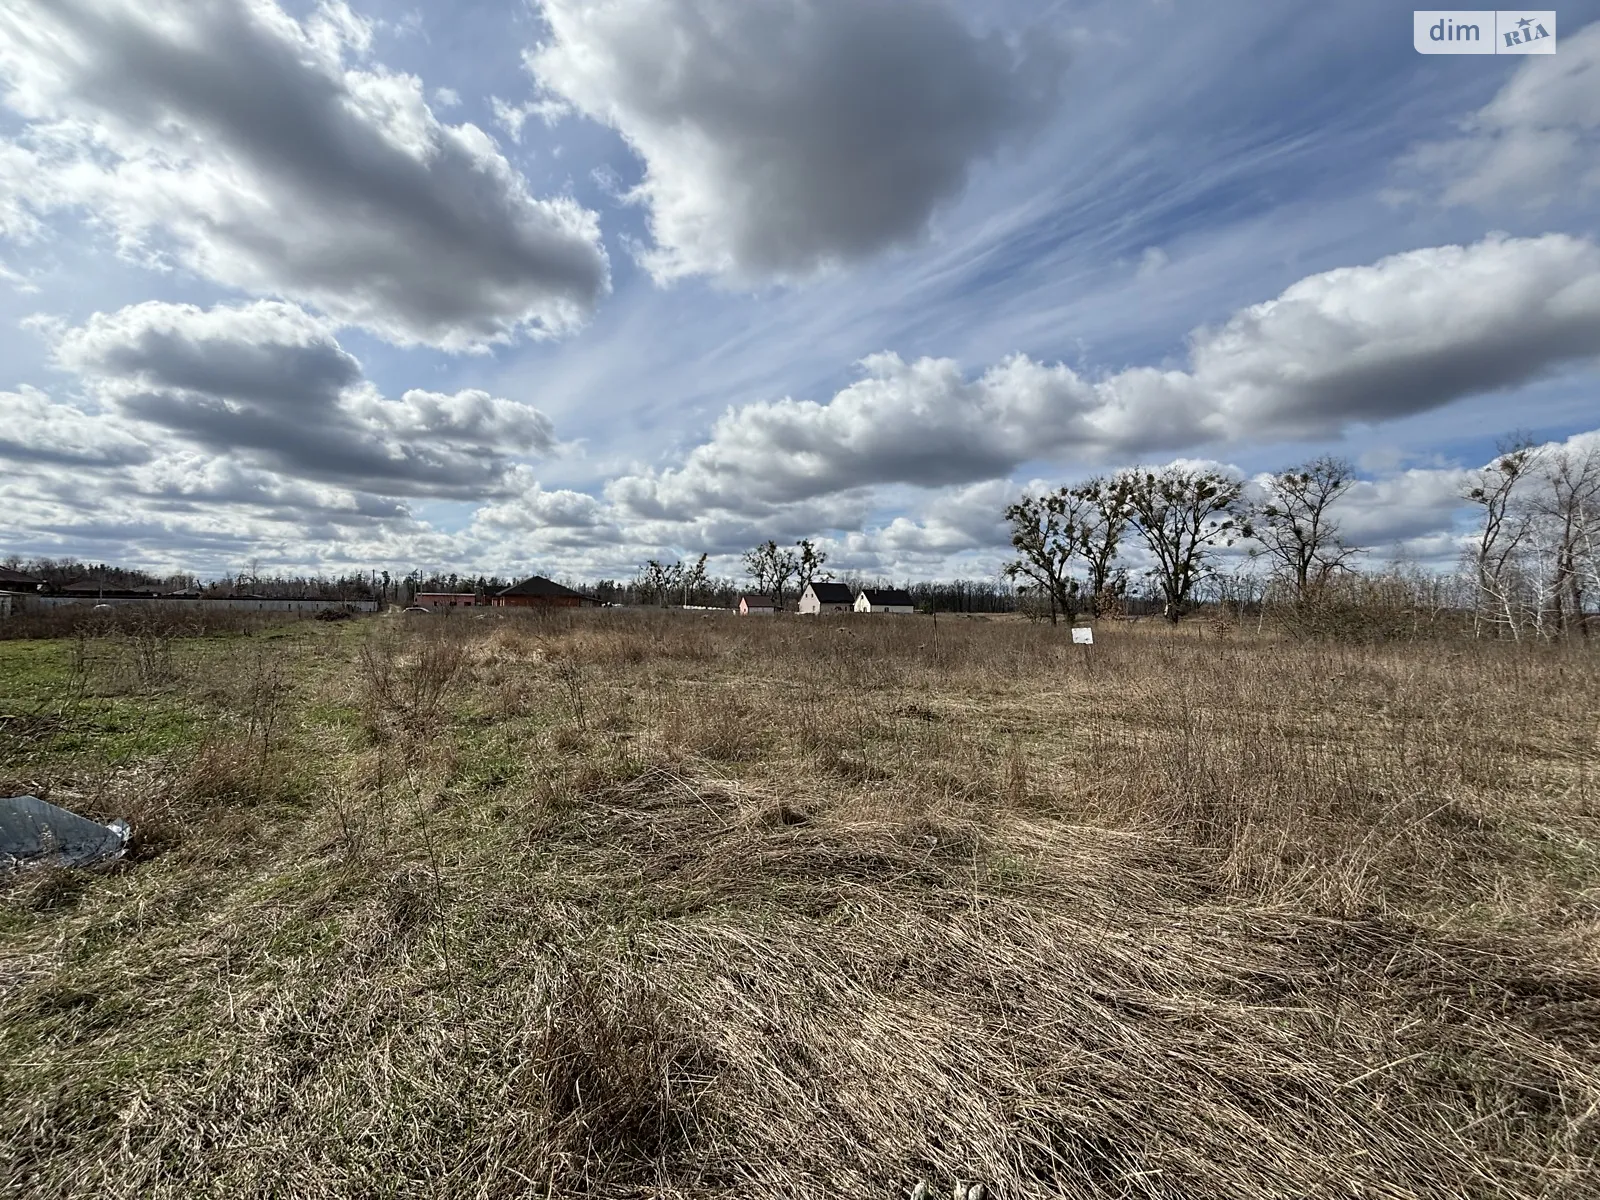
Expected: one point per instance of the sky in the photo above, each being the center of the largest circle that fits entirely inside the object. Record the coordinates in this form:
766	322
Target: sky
558	286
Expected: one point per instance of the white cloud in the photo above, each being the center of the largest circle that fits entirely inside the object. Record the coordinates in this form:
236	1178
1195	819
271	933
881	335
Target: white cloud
951	521
1151	261
919	422
780	137
38	430
268	384
536	508
1362	344
232	139
1536	142
19	178
512	117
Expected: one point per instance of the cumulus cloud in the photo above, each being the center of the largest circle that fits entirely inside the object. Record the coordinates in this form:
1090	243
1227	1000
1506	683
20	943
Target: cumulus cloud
512	117
187	481
783	136
731	532
268	383
536	508
921	423
241	143
952	521
194	512
37	430
1360	344
1400	506
1536	142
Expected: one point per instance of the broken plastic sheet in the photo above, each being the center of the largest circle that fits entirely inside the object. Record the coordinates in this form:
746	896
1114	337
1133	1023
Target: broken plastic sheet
34	832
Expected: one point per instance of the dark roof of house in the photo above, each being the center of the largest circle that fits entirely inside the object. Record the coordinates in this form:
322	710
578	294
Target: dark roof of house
755	601
889	597
538	585
833	593
7	575
95	587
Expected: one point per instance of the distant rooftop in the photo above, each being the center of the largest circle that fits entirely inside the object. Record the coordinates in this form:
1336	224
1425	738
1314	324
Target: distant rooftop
889	597
538	585
22	578
833	593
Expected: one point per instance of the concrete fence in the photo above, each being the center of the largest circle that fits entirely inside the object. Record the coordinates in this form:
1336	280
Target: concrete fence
310	608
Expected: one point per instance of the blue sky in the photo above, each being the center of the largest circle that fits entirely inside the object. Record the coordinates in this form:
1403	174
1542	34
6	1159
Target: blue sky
565	285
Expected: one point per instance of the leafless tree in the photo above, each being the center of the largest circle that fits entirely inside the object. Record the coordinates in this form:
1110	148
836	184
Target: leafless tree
1504	536
1294	528
1566	507
808	566
1046	533
1181	513
695	581
1588	544
658	580
1102	523
771	567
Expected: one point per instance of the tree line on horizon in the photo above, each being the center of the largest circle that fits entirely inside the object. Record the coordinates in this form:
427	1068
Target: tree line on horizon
1531	569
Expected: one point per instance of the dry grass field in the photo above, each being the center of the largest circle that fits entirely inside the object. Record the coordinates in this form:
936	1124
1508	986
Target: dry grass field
626	904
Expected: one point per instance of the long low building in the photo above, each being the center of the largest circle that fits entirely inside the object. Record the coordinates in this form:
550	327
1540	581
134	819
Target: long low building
13	580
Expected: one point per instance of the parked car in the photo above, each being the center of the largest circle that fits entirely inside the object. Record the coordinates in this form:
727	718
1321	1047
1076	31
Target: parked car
417	608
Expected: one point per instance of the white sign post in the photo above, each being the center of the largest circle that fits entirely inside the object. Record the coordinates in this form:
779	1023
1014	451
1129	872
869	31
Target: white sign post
1083	636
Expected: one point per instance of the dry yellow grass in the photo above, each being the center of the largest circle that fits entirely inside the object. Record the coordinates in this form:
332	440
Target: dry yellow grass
636	904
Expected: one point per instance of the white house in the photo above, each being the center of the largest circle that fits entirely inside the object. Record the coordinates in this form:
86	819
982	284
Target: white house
885	600
826	598
756	606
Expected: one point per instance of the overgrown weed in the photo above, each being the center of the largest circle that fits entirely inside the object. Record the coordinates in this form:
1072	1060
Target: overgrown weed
795	908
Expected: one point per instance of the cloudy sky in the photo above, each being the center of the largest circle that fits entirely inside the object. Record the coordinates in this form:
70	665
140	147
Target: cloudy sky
560	285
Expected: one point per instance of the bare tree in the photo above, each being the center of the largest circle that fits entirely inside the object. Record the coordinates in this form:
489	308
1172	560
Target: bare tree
1181	513
657	580
1293	525
1046	533
771	567
1587	555
808	567
695	581
1567	507
1504	535
1102	523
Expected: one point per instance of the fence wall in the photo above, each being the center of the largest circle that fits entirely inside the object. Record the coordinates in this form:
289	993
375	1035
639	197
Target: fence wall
309	608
